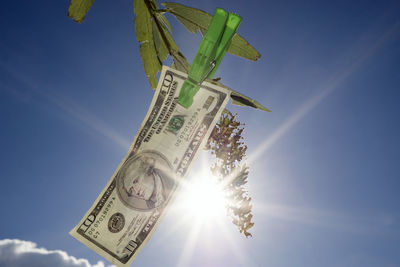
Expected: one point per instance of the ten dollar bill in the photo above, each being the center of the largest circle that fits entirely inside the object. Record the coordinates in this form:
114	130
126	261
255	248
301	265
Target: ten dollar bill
128	210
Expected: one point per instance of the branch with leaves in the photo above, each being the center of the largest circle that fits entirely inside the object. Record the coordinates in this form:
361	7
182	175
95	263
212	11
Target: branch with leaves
153	32
227	145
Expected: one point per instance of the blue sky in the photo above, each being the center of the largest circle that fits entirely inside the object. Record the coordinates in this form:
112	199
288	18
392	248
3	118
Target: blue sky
324	164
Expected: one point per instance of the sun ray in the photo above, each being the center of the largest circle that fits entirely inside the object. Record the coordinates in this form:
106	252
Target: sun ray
338	78
190	244
70	108
177	208
199	197
238	252
324	219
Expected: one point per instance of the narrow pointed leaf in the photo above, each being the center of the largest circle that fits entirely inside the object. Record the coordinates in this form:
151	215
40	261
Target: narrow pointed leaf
164	21
242	100
78	9
161	48
167	39
191	27
144	35
153	4
192	18
151	63
143	26
241	48
180	62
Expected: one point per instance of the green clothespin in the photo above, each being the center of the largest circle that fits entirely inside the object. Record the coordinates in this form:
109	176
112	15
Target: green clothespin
211	51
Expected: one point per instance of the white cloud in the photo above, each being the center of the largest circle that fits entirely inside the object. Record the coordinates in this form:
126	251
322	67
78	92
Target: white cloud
16	253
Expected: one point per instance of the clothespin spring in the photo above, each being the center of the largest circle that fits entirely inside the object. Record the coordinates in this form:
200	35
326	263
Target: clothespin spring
213	64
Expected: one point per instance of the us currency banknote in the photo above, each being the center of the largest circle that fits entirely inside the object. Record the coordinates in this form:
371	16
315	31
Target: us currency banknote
130	207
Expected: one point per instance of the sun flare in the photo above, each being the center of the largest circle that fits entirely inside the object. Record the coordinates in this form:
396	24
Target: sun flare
203	198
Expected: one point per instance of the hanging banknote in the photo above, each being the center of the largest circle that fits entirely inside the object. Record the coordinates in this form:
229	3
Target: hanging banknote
128	210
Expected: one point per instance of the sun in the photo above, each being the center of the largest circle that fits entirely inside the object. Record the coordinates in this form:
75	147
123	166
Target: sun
200	211
203	198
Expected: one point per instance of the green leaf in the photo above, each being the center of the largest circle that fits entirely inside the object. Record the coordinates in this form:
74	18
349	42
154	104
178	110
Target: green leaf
191	27
142	21
78	9
153	4
192	18
164	21
151	63
162	50
197	20
144	35
180	62
166	37
156	41
240	99
241	48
